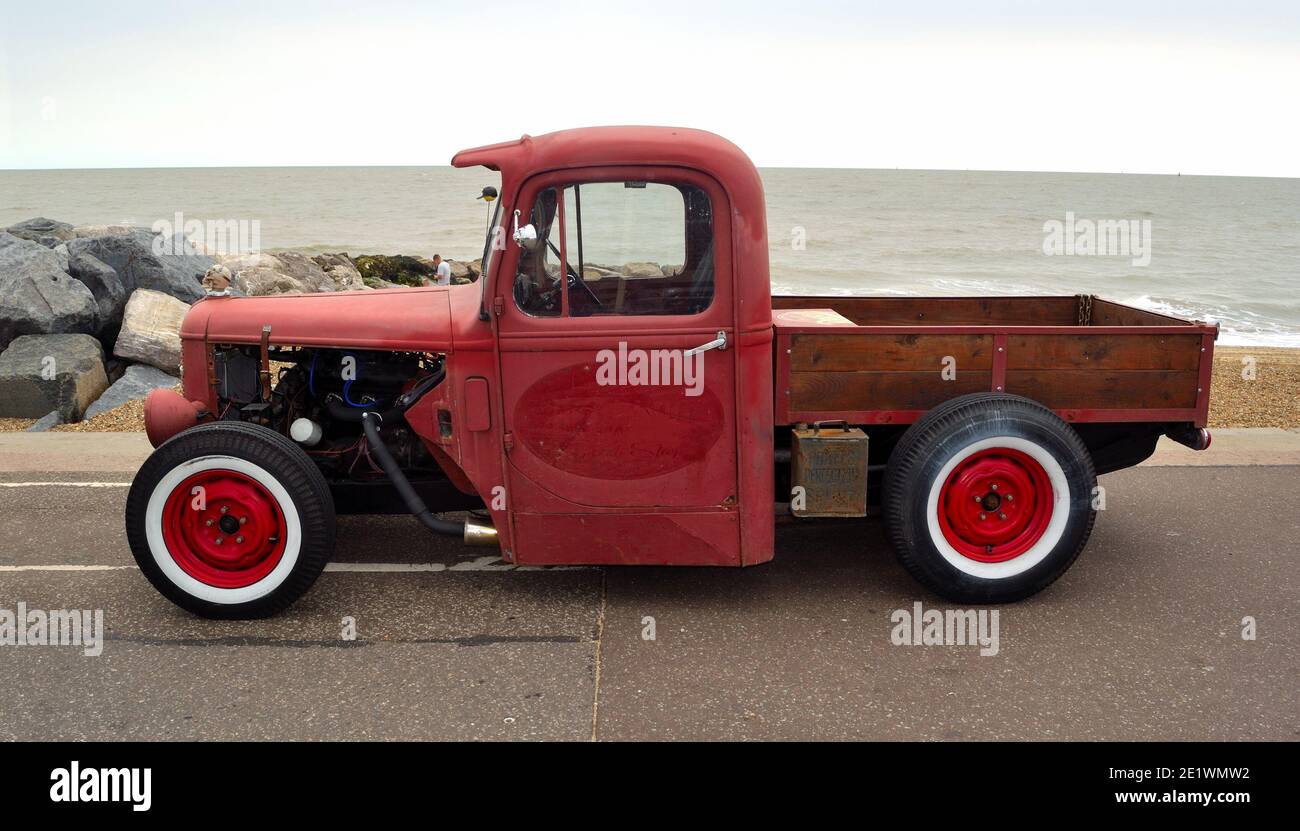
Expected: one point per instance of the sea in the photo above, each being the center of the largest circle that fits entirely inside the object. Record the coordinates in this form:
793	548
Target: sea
1220	249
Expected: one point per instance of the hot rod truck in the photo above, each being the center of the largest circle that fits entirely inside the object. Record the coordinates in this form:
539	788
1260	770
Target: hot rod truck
619	388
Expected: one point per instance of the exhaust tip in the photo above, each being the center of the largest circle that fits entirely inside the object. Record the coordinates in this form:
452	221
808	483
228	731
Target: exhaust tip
477	533
1197	438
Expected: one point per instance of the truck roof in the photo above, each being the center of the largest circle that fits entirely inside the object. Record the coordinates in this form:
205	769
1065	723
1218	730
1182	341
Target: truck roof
586	146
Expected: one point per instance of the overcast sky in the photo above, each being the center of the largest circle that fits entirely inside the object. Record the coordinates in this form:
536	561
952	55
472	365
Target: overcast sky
1158	87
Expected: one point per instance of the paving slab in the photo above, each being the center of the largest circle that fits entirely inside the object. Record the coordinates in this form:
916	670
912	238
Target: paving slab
42	453
1140	640
447	656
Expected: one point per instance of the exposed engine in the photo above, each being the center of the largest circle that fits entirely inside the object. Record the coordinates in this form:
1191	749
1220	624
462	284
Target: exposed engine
317	398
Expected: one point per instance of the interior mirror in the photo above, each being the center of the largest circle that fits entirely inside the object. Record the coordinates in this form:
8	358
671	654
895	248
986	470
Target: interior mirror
525	236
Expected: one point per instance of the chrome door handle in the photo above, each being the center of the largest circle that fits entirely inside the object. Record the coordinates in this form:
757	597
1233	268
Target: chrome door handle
720	342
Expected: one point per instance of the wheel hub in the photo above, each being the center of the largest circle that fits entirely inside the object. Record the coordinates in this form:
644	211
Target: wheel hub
223	528
995	505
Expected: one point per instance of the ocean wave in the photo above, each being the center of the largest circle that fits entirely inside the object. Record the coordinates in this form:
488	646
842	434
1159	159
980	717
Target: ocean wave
1237	327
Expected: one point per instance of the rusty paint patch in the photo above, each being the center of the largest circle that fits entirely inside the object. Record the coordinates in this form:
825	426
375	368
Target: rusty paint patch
572	423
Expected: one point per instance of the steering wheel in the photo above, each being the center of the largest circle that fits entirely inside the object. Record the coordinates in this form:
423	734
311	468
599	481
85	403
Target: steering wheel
573	277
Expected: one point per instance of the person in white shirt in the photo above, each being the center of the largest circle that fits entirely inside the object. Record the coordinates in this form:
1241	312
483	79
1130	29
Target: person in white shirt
442	271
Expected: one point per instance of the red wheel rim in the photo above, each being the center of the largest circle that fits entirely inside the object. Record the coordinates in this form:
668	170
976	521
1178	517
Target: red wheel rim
995	505
223	528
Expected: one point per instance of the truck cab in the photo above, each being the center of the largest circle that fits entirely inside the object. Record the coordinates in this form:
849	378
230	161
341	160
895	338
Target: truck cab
632	331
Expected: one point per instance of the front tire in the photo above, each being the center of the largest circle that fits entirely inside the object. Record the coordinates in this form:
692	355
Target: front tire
230	520
988	498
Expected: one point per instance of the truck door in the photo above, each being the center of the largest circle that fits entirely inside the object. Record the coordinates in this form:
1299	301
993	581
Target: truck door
618	380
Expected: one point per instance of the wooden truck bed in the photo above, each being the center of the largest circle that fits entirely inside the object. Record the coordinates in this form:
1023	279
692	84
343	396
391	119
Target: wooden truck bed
880	360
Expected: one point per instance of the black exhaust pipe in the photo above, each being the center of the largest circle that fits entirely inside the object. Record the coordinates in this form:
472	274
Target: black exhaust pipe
370	421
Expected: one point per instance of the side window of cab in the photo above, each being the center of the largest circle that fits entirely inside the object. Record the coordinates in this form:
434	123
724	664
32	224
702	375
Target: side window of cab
618	248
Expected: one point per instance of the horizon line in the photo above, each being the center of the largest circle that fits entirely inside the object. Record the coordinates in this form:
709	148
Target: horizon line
1176	174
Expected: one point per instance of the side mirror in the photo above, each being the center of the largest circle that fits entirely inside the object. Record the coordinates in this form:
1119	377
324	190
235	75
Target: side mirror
525	237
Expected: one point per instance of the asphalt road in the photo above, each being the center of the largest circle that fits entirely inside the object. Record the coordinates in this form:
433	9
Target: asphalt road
1140	640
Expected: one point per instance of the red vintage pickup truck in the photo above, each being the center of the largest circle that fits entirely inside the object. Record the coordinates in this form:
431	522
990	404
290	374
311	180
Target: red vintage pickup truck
619	388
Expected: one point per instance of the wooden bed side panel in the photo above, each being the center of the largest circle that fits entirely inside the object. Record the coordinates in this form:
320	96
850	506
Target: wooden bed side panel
940	311
1104	352
1066	389
1072	370
1126	365
890	353
1110	313
892	391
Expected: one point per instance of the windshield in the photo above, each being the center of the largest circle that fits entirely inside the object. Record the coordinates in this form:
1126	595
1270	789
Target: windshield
494	242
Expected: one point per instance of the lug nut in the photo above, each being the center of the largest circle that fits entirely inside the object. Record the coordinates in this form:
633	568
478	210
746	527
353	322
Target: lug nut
1001	515
1010	498
983	515
209	522
993	486
224	509
243	519
219	539
977	499
241	539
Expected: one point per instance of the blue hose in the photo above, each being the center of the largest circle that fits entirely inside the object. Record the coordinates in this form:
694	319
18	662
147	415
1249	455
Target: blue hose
347	400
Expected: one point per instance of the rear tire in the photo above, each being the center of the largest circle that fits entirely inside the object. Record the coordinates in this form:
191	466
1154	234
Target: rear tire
230	520
950	498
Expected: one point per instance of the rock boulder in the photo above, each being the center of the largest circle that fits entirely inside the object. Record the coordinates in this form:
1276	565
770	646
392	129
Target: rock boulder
151	330
105	230
284	273
377	269
643	270
137	382
47	232
103	283
39	373
38	295
342	271
53	419
144	260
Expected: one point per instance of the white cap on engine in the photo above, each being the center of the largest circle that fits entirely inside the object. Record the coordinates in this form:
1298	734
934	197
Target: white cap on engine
305	431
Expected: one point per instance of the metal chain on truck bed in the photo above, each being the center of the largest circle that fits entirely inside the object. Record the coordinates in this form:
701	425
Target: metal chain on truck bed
1085	309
